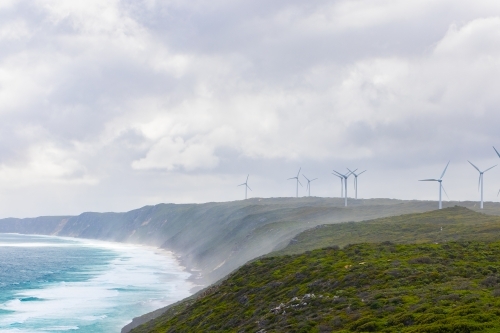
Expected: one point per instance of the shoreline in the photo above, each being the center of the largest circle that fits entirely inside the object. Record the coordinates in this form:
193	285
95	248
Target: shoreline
123	248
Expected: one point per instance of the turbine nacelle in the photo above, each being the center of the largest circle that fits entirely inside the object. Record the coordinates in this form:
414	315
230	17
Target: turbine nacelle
440	181
480	184
246	186
298	181
308	188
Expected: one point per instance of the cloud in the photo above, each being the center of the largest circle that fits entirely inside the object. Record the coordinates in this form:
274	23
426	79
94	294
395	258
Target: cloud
97	97
172	154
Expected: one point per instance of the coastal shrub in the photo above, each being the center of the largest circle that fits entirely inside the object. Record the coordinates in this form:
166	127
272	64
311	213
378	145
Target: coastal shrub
330	290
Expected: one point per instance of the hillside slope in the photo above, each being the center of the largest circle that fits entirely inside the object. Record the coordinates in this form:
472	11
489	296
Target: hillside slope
216	238
451	287
449	224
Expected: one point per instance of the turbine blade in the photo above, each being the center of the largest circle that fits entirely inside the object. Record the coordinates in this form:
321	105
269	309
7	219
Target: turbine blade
313	179
490	168
338	173
361	172
298	173
306	178
292	178
350	170
247	177
496	151
249	187
474	166
242	184
299	182
444	170
428	180
445	192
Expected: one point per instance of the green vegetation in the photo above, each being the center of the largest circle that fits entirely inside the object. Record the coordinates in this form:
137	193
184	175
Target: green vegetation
217	238
434	272
449	224
452	287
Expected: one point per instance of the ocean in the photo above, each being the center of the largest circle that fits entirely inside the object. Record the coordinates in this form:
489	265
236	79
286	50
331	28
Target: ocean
54	284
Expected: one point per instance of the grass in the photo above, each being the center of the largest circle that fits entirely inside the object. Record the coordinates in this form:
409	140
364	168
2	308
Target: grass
449	224
387	287
433	272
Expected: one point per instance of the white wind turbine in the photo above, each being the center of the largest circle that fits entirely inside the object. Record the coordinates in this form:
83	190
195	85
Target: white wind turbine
341	184
356	181
481	180
345	182
309	184
246	186
298	182
440	184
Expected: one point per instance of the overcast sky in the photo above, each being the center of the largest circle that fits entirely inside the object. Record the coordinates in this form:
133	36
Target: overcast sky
109	105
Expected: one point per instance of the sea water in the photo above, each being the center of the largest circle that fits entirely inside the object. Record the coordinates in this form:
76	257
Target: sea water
53	284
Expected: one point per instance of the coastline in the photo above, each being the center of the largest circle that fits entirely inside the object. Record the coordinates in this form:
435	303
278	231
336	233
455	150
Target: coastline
194	274
167	260
211	240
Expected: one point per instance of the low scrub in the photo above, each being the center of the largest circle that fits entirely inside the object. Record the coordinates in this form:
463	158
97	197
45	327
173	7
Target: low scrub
385	287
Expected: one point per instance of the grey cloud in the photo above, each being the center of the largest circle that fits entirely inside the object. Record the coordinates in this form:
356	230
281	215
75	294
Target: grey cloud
95	103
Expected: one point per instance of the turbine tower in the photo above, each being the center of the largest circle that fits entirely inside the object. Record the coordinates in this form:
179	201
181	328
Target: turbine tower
246	186
356	181
481	179
309	184
345	182
440	184
298	182
341	184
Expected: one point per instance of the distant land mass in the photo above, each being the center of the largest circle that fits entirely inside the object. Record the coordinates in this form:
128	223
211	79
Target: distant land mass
214	239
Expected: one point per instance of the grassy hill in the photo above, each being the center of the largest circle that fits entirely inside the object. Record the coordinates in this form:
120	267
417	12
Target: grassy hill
402	282
449	224
438	288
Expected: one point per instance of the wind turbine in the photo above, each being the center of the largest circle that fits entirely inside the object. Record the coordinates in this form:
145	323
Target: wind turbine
356	181
298	182
341	184
246	186
309	184
345	182
481	180
440	184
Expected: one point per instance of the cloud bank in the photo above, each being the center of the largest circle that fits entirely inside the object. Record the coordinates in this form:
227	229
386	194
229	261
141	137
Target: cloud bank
109	105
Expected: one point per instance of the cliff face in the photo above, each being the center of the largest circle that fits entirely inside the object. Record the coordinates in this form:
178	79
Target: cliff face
216	238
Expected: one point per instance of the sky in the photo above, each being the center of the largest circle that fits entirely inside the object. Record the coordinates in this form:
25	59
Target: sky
109	105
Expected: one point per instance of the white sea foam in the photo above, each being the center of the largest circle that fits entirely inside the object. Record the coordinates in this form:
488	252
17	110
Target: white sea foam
139	280
36	245
60	328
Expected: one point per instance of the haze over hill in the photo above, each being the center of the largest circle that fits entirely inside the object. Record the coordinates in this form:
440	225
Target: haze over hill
213	239
361	287
216	238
